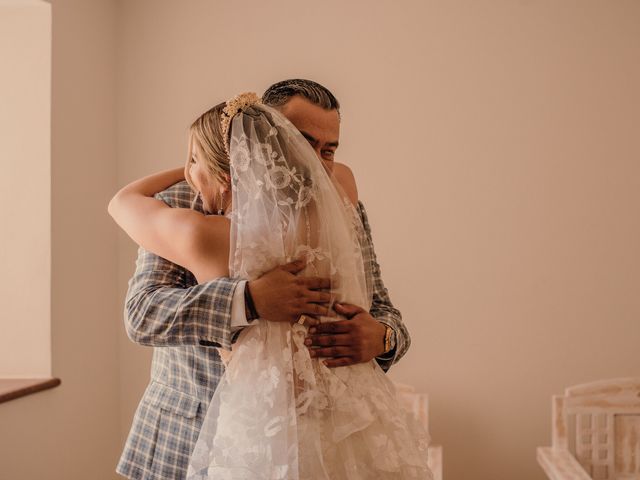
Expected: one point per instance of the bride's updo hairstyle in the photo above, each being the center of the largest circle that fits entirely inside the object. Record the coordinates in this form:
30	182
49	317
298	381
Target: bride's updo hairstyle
206	133
210	132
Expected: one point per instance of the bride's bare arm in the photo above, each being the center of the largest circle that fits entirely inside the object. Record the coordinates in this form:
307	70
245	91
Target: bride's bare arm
182	236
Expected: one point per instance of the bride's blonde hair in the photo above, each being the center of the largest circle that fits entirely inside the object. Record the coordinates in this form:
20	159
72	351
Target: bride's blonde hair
206	133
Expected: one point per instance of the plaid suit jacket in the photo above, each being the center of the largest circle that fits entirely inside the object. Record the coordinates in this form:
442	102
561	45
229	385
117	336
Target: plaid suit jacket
166	309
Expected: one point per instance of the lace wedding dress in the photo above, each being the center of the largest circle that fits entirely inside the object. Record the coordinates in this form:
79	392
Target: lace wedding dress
278	413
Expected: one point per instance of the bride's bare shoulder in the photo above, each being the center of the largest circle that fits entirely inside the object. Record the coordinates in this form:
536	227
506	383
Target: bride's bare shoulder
347	181
210	233
207	246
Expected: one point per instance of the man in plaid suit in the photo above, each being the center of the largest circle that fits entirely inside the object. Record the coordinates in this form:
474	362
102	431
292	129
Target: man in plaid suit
183	320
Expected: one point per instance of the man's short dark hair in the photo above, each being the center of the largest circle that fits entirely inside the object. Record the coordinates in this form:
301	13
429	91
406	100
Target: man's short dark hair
280	93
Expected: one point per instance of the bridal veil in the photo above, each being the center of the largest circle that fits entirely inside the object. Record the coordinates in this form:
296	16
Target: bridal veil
278	413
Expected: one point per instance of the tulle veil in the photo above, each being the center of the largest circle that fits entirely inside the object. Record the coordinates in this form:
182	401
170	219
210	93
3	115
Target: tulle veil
278	414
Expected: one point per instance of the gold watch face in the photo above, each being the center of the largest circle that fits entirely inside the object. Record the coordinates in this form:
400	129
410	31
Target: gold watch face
387	338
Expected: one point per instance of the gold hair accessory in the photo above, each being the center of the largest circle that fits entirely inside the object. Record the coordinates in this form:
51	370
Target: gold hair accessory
235	105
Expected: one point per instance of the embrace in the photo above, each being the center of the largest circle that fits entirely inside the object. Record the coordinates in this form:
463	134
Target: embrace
258	287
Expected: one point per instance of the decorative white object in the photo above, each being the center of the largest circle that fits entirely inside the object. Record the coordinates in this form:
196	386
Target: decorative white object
418	405
595	432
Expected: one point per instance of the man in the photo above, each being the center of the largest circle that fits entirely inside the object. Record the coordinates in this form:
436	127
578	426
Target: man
166	308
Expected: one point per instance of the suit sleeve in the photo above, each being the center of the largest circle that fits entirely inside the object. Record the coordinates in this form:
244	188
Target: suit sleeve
381	307
166	307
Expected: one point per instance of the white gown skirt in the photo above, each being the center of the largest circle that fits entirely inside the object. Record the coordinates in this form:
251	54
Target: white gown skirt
279	414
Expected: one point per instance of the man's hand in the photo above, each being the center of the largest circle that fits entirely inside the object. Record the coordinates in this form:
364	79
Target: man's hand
281	296
358	339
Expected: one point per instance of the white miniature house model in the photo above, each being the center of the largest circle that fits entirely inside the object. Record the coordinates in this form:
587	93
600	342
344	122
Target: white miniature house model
595	432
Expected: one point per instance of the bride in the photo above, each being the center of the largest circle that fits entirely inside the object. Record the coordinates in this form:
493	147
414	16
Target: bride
277	413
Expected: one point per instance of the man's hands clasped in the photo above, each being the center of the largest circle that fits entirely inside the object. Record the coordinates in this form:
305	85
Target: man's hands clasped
281	296
358	339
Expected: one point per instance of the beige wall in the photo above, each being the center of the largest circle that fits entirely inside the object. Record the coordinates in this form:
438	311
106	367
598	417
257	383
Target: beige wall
71	432
495	146
25	150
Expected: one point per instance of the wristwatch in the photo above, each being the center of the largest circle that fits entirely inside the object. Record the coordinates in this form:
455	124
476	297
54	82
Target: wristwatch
389	339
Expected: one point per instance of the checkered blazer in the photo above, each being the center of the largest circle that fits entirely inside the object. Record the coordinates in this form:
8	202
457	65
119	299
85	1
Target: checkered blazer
168	310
